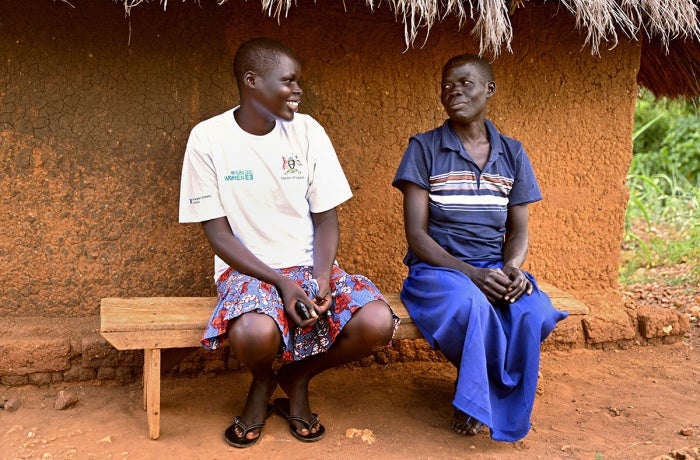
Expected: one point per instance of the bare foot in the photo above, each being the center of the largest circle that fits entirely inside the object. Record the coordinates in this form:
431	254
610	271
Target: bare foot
296	386
256	405
465	424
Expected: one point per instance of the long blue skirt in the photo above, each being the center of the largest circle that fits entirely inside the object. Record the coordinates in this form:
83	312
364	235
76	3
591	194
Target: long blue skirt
496	348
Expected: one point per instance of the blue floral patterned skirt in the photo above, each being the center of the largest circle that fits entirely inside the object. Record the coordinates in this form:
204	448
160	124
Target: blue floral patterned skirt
239	294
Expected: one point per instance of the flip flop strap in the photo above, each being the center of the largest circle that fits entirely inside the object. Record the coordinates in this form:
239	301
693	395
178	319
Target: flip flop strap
309	424
247	428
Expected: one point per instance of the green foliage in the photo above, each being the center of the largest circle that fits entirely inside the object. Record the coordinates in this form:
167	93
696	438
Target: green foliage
680	149
648	114
666	139
662	223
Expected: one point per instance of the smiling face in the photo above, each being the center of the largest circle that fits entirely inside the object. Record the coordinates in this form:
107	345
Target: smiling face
276	93
465	91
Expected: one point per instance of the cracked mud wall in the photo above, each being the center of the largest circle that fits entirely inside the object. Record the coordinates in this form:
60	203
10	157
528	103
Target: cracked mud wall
93	129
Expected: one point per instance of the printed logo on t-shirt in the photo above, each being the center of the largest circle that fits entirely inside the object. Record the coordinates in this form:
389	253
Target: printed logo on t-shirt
239	174
198	199
291	167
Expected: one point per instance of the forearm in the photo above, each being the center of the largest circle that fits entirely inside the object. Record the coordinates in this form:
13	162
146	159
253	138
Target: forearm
515	250
429	251
416	216
325	245
516	242
239	257
235	254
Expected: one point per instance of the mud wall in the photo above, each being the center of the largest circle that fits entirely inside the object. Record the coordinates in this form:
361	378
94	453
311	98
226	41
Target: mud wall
95	110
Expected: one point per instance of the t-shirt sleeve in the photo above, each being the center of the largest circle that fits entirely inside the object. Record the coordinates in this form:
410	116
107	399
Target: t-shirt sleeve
328	186
414	166
199	191
525	188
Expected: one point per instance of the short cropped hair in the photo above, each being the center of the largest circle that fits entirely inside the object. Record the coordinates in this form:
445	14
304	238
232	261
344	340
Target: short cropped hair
484	66
259	55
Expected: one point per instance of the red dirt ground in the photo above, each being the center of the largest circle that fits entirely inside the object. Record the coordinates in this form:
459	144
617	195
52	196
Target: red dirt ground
635	403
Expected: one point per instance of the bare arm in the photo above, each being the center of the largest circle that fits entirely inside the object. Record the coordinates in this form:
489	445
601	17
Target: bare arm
415	215
515	250
236	255
492	282
326	237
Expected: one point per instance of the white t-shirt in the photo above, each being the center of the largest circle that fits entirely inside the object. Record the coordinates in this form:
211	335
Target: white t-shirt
266	186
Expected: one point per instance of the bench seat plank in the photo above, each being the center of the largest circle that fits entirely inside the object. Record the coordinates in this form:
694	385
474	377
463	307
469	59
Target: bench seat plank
154	313
135	323
140	339
563	300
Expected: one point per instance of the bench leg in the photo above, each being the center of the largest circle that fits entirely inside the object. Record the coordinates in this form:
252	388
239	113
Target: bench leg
146	367
151	389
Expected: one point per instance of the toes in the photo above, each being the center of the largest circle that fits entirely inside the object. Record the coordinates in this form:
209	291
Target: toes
459	423
475	428
466	425
306	427
305	431
249	435
459	427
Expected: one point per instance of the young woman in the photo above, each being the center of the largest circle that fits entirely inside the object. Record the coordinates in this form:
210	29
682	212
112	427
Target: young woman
264	181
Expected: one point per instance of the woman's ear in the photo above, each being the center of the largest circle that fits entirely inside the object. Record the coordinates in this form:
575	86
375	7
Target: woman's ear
490	89
249	79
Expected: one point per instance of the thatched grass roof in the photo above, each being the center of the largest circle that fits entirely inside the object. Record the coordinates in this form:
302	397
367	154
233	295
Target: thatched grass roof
670	29
672	73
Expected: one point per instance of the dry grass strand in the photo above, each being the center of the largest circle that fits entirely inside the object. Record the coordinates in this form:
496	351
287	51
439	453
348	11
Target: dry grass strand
601	20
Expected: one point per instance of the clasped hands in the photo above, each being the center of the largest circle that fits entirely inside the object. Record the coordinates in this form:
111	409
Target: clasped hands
317	306
502	284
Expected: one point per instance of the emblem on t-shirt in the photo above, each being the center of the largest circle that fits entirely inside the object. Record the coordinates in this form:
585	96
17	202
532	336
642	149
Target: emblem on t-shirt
239	174
291	167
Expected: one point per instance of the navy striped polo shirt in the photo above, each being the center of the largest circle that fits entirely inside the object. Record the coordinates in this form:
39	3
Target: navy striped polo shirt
468	206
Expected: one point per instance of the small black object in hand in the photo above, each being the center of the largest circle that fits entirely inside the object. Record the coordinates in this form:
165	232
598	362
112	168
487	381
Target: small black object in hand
302	310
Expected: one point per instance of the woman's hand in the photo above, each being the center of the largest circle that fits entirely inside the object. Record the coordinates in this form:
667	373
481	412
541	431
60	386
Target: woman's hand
323	299
291	293
493	282
519	284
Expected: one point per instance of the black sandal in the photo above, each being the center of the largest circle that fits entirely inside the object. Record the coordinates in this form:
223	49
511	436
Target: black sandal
282	406
241	441
232	438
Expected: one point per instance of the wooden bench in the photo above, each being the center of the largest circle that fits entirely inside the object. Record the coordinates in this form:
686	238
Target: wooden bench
153	324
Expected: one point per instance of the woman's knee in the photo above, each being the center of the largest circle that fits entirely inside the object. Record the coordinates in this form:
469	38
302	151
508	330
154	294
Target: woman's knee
254	334
375	323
